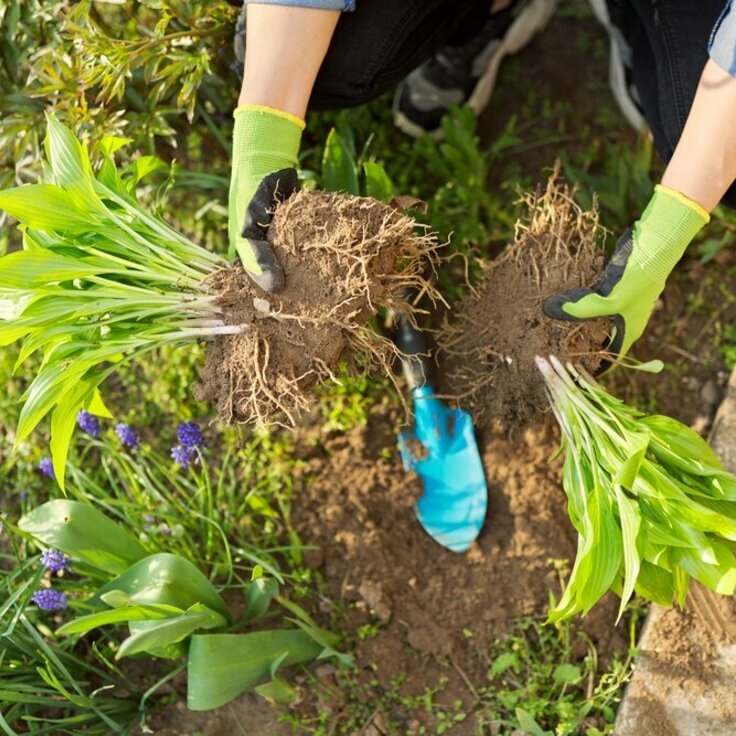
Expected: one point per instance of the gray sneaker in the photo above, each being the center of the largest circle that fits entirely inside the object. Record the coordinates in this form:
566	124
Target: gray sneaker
466	74
620	75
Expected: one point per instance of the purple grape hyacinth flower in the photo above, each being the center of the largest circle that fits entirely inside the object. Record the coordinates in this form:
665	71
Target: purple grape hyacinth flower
48	599
46	466
88	423
54	560
181	456
190	435
127	435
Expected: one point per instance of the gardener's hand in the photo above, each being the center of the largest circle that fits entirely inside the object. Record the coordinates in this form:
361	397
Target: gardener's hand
265	146
635	276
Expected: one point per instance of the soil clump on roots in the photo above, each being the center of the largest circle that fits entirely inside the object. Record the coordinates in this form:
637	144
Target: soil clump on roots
491	339
344	258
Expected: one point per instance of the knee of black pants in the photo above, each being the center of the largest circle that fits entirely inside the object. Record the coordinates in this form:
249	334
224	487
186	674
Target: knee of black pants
376	46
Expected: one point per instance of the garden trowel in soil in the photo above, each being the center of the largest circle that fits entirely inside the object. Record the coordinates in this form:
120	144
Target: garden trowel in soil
442	450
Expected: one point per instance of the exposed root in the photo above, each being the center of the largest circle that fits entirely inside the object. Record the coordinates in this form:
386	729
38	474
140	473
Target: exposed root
344	258
492	337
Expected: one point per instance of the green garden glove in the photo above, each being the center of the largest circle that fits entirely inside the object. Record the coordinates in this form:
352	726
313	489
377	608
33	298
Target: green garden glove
635	276
265	148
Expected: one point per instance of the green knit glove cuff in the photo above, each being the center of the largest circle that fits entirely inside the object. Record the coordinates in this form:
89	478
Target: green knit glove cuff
264	141
663	232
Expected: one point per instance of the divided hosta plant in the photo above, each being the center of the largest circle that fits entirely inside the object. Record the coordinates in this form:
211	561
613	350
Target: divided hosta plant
101	281
651	502
170	608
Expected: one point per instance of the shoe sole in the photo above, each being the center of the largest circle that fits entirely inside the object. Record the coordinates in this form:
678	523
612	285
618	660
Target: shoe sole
530	21
616	72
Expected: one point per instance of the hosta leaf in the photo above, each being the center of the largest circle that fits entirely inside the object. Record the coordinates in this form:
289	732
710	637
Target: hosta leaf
630	523
45	207
655	584
223	666
720	577
70	165
84	534
377	182
684	445
27	269
168	579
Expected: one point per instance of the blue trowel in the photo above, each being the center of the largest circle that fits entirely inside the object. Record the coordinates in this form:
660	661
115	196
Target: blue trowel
441	449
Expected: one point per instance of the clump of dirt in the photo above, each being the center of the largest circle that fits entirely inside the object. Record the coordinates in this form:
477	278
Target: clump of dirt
491	340
344	257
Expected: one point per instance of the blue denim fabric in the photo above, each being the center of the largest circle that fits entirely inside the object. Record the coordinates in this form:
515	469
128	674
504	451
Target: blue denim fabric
723	40
319	4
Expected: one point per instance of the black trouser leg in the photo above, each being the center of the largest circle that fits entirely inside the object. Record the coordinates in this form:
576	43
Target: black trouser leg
376	46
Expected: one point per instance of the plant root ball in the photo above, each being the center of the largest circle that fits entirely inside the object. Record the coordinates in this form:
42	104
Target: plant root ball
492	338
344	258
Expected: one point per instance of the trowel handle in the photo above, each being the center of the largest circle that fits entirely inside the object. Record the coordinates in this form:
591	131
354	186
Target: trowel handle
411	342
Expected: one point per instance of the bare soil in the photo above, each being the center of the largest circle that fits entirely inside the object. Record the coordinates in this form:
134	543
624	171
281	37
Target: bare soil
345	258
492	338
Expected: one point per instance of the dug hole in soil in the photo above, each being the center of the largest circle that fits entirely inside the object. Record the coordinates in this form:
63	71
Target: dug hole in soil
345	258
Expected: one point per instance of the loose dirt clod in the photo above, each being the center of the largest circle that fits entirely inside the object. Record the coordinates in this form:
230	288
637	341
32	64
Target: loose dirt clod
344	258
492	338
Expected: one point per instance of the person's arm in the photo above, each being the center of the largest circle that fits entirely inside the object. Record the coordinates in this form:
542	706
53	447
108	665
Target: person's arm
702	168
285	47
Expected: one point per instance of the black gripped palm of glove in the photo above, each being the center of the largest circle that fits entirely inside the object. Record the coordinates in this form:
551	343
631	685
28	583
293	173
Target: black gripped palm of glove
252	247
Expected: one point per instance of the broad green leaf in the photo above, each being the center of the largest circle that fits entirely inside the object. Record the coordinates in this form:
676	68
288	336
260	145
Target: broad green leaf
681	441
29	269
630	523
84	534
377	182
152	636
97	406
720	577
626	473
167	579
503	662
45	207
223	666
338	168
83	624
70	165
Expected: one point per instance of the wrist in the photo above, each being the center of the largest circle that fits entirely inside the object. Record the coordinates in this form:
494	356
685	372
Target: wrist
662	234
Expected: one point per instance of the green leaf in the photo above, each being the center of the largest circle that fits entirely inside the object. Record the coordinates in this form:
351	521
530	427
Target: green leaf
338	167
630	523
636	445
84	624
529	725
565	673
377	182
97	406
45	207
223	666
112	143
84	534
167	579
277	691
70	165
503	662
152	636
259	594
30	269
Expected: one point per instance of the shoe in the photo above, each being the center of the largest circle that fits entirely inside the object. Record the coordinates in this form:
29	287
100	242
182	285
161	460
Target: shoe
466	74
620	69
